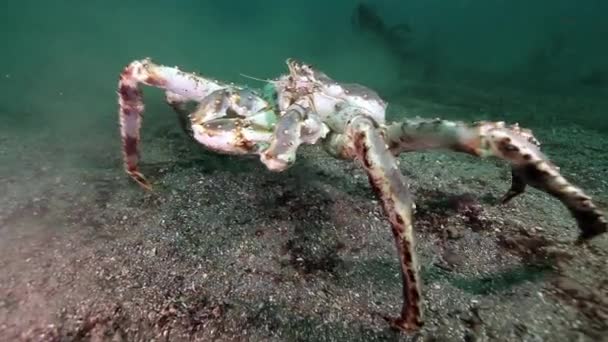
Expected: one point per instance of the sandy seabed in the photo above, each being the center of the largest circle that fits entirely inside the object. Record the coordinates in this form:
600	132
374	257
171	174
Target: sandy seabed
225	250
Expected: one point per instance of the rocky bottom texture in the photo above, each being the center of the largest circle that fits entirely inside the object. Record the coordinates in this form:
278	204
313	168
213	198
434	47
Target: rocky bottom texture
225	250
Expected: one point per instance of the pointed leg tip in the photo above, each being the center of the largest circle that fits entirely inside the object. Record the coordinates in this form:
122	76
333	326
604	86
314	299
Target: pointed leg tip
147	187
591	231
406	325
505	199
508	197
141	180
591	224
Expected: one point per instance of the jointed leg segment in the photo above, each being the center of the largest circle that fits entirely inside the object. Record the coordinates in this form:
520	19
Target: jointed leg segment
179	105
510	143
287	138
228	119
391	188
186	86
294	128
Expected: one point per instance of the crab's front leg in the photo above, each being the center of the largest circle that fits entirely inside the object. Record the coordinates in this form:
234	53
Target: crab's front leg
364	143
296	126
186	86
510	143
179	104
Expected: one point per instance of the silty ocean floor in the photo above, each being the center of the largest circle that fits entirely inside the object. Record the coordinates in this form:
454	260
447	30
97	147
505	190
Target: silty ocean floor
225	250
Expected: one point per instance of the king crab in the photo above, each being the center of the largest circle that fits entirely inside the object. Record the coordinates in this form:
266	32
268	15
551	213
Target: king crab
305	106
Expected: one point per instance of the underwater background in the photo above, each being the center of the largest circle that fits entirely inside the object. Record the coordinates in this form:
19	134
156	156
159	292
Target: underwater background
227	250
544	53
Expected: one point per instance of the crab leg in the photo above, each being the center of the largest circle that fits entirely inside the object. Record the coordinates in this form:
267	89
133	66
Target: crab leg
295	127
188	86
511	143
391	187
178	103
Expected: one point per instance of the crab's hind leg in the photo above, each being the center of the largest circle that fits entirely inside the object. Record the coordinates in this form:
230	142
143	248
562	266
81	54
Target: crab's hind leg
510	143
364	142
130	99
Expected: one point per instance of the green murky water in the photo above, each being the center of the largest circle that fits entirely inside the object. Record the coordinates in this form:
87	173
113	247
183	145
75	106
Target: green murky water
60	59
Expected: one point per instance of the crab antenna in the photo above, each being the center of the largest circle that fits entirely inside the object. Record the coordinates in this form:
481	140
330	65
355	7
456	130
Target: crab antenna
256	79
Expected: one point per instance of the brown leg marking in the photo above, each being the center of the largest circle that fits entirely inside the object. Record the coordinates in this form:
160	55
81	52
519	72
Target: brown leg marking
131	107
390	186
130	112
512	143
544	176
